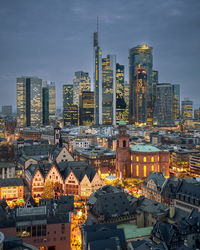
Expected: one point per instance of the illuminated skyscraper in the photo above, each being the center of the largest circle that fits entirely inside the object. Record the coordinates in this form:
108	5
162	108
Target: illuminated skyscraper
82	82
70	115
29	101
140	97
109	90
140	57
163	105
67	95
52	98
154	84
120	95
45	105
86	108
97	79
187	112
176	101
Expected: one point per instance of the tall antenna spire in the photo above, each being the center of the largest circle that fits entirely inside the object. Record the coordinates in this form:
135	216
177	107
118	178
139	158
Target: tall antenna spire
97	24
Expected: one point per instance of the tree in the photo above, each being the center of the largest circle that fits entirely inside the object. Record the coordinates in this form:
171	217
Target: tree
48	191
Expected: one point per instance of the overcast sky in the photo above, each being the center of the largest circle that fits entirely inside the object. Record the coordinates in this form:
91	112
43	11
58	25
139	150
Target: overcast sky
52	39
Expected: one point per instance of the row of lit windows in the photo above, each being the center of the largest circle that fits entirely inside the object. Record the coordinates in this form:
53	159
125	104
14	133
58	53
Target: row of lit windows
144	169
144	159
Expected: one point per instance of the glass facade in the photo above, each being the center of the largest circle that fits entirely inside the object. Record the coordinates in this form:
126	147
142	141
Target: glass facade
70	115
163	104
52	98
176	101
120	95
97	80
140	56
140	97
67	95
81	82
187	109
86	108
45	105
29	101
109	90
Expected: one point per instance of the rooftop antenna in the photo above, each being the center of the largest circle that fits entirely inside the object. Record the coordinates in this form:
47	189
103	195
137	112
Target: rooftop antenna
97	24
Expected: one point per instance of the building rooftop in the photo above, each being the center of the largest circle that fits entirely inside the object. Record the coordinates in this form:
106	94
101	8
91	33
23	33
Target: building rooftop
132	231
95	151
11	182
144	148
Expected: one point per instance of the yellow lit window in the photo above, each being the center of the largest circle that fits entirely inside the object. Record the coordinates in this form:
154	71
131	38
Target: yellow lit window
145	159
158	158
131	169
131	157
145	170
137	158
152	159
158	168
137	170
152	168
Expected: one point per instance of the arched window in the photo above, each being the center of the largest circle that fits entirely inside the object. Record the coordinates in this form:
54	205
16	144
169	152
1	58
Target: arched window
137	170
145	159
152	159
137	158
145	171
152	168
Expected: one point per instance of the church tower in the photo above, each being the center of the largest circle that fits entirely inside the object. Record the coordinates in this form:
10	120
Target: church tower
57	136
122	152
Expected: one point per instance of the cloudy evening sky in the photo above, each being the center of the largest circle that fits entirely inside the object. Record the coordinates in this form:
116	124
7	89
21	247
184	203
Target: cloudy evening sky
52	39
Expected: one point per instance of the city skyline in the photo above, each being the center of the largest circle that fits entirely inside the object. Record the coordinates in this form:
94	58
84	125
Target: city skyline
61	44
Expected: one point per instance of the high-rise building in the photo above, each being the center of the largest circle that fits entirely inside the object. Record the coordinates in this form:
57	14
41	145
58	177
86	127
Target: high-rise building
86	108
197	114
163	104
187	109
29	101
176	101
67	95
81	82
109	90
154	84
120	94
52	98
140	57
45	105
140	97
97	79
70	115
7	110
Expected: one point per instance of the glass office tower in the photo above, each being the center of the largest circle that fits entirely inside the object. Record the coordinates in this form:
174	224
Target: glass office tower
176	101
97	79
86	108
140	56
29	101
109	90
163	105
67	95
187	109
45	105
81	82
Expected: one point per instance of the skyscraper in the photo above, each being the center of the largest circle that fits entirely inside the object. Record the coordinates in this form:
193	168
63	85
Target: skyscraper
29	101
140	97
154	84
163	105
187	112
120	94
52	98
67	95
109	90
86	108
97	79
176	101
140	57
81	82
45	105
